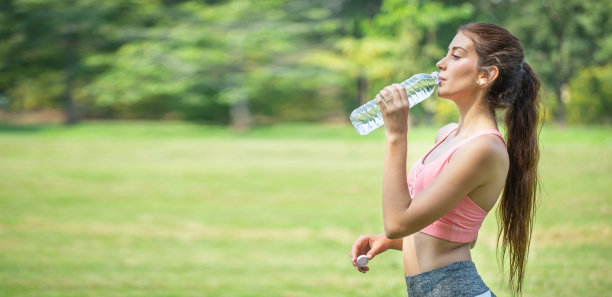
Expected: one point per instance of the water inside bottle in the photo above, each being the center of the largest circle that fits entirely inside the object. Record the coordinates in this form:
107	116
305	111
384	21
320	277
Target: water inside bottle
419	87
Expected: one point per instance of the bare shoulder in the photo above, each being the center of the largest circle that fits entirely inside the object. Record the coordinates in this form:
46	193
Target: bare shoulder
445	130
487	151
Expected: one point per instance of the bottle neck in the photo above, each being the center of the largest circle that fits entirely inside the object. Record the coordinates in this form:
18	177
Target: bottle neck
434	75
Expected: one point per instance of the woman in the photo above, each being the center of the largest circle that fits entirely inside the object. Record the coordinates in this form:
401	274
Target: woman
433	214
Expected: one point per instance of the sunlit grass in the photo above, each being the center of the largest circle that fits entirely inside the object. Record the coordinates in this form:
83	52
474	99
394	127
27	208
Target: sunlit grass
154	209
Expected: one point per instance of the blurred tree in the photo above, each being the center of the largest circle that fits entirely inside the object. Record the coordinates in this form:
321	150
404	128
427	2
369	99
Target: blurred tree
560	37
45	44
405	38
590	96
217	61
237	62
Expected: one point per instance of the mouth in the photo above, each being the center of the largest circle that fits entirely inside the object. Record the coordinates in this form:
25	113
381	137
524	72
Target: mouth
441	79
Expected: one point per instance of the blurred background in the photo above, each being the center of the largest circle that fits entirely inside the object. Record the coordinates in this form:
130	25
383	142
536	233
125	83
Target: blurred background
203	148
243	63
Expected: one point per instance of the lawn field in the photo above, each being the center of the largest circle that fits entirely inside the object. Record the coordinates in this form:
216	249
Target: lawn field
173	209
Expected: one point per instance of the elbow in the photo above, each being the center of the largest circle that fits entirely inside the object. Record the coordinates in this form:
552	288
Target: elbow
393	235
395	231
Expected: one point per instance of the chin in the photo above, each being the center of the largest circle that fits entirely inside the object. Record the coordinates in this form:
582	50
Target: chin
442	94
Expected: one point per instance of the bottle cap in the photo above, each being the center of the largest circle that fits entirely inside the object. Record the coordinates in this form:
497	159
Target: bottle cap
362	261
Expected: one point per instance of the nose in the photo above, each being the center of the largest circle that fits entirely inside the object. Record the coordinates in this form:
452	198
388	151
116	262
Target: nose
441	65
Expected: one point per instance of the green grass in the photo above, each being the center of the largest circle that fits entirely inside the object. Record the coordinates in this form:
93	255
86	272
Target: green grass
170	209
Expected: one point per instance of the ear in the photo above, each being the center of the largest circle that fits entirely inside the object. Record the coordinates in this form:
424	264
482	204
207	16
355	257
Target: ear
488	75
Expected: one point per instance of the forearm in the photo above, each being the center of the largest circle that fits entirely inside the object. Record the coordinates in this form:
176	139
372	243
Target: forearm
386	243
395	195
395	244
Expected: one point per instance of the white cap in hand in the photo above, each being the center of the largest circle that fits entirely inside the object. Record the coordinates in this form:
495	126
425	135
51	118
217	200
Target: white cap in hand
362	261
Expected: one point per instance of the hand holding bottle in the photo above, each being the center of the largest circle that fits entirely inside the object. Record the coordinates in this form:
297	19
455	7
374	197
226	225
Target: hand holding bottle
419	87
394	105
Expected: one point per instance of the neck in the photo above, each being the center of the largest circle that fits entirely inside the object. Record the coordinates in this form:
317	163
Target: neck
474	116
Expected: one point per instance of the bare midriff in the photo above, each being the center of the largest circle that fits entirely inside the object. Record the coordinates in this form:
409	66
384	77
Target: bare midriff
422	252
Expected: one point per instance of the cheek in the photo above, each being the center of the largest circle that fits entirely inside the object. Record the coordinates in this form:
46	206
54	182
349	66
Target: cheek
465	68
464	75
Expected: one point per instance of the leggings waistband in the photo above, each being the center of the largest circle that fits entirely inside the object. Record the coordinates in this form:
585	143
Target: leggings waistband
455	279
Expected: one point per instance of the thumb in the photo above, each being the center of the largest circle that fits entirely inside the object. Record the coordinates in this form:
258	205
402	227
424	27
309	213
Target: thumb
375	250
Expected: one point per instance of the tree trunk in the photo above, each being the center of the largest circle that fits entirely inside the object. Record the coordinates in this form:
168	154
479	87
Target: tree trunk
363	86
70	62
560	112
240	115
70	112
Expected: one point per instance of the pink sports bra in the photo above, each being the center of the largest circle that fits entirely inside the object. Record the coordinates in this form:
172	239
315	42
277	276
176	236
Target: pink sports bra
460	224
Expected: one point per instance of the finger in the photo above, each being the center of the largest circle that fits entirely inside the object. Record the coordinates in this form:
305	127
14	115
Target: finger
402	92
394	93
375	249
386	95
381	102
357	248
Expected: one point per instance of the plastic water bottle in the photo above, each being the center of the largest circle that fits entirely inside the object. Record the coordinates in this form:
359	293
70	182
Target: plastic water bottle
419	87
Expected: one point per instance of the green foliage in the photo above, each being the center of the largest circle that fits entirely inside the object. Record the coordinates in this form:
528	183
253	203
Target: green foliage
46	45
204	56
561	37
444	111
405	38
590	99
268	61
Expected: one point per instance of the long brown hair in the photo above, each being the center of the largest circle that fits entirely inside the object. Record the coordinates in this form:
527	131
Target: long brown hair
516	89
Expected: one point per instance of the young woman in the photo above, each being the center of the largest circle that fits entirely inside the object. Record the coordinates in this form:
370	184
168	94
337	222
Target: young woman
433	214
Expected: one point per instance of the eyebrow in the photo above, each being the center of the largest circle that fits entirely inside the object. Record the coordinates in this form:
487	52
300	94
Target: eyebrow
457	48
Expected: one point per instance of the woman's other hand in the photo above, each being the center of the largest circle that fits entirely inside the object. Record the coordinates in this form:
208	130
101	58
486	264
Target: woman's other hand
369	245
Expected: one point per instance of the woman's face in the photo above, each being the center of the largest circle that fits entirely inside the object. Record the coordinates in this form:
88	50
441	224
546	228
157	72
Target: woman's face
458	69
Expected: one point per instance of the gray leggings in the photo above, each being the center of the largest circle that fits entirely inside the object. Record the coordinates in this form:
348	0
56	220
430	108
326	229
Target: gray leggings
456	279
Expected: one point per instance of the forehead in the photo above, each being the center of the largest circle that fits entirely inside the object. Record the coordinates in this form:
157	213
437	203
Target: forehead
462	41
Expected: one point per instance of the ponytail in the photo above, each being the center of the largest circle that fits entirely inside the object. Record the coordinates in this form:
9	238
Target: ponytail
517	207
516	89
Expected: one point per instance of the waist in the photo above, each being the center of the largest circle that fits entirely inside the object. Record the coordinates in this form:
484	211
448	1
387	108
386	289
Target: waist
446	269
424	252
